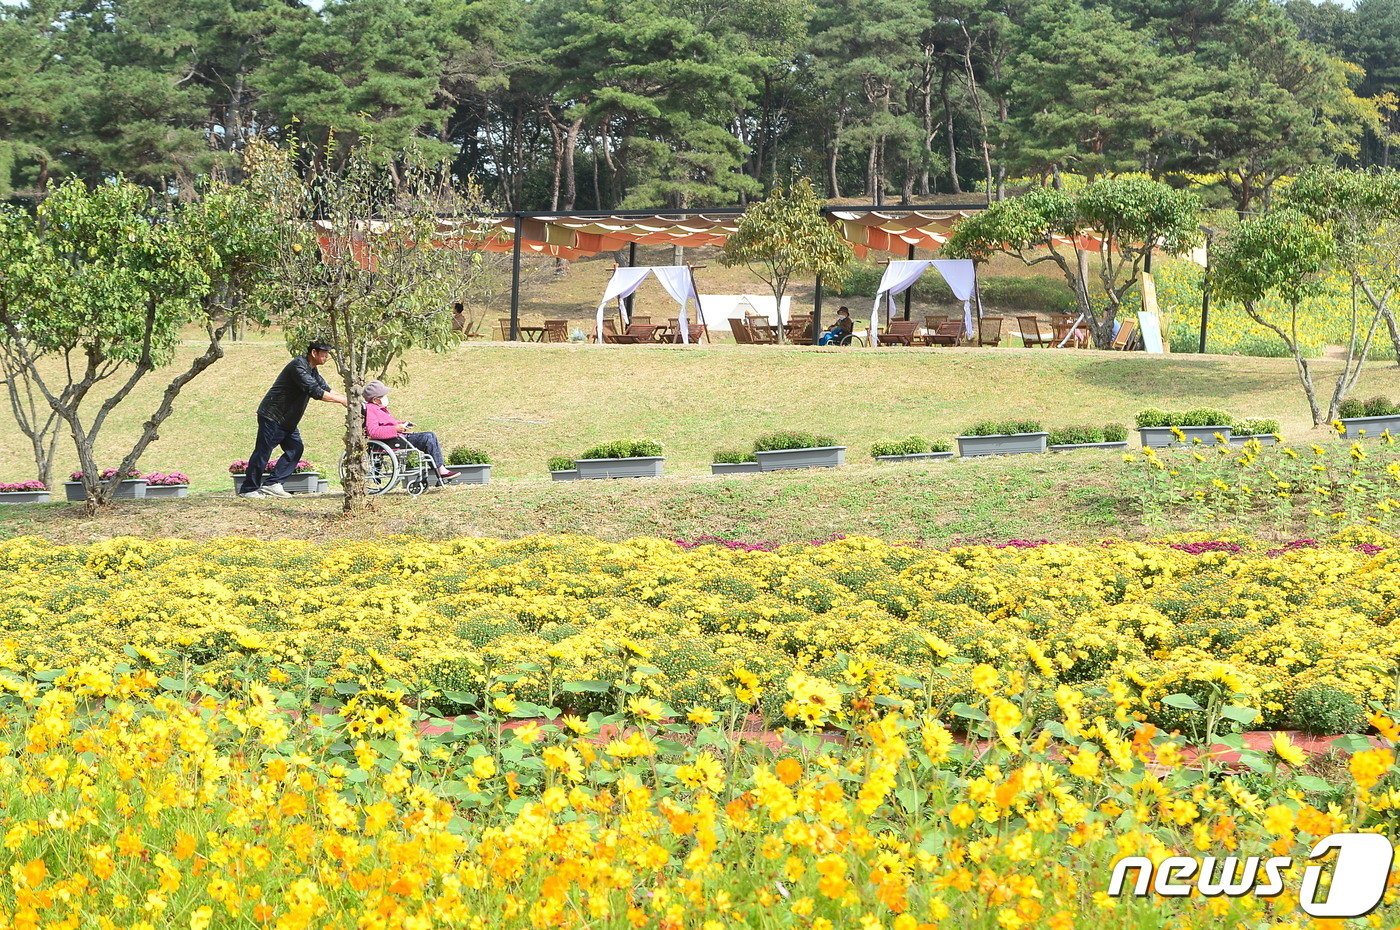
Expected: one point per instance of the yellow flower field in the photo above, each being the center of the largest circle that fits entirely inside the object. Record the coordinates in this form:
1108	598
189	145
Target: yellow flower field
247	734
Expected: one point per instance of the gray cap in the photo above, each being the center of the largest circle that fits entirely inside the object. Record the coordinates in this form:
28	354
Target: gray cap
375	389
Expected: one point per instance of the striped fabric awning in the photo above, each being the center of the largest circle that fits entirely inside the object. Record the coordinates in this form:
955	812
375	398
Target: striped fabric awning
580	236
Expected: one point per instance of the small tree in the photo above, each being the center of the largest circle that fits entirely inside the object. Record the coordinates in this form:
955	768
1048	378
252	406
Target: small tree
98	288
361	266
787	235
1332	223
1115	223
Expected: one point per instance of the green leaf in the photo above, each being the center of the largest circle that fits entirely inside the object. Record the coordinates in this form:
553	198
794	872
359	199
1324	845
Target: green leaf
1239	713
970	712
1182	701
1313	783
592	687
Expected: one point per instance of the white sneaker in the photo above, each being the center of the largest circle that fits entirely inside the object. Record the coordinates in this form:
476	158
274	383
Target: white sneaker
275	490
254	495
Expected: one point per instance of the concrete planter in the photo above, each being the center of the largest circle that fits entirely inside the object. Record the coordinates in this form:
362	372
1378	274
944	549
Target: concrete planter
1371	426
734	468
469	474
815	457
322	486
1162	437
1006	444
130	489
570	474
24	497
916	457
167	490
1265	439
646	466
1075	446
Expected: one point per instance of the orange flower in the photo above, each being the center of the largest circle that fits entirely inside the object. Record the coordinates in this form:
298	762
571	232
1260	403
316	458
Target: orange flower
789	771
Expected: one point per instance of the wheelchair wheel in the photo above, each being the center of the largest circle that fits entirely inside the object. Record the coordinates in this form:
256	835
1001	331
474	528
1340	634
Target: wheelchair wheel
381	468
853	340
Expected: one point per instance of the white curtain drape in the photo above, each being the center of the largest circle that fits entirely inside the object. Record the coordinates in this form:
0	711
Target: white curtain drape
680	284
961	275
624	282
678	281
899	276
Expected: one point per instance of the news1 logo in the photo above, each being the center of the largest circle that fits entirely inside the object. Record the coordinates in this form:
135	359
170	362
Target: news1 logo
1359	875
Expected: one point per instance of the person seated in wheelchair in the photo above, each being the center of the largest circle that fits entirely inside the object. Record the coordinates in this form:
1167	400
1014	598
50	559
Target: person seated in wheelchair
838	333
381	425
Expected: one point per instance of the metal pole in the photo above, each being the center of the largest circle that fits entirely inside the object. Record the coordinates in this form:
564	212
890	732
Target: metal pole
817	313
1205	294
909	294
631	263
515	281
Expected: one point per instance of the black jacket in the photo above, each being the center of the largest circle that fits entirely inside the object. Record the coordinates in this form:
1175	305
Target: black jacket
285	401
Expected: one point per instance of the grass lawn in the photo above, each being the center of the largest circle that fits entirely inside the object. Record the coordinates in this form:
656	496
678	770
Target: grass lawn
1069	497
523	403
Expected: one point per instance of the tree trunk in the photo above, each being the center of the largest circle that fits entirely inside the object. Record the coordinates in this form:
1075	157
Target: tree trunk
356	446
943	88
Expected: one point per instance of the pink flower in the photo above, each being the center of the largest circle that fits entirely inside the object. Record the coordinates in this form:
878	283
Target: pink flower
33	484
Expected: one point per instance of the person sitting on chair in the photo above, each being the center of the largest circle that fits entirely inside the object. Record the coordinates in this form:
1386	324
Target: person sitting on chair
839	330
381	425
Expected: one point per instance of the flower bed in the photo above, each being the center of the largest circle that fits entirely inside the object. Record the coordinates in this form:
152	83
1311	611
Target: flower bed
32	491
320	727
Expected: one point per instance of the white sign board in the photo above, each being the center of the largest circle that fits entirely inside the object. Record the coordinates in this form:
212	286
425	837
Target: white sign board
1149	326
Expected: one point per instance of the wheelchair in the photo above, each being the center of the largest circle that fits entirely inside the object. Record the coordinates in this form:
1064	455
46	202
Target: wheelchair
850	339
394	462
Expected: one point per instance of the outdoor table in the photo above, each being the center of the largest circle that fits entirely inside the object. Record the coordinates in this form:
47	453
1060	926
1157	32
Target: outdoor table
532	333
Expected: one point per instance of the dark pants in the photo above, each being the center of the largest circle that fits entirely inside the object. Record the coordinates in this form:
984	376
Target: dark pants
426	442
270	436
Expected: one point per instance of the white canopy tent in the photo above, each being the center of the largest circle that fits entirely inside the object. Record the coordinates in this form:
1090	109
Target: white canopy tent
721	308
899	276
679	281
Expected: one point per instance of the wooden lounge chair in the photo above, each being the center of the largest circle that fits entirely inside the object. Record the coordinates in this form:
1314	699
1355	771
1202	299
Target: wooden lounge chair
900	333
764	334
645	332
503	329
742	334
933	320
948	333
989	331
556	330
1031	334
613	337
798	329
1126	332
1069	334
697	332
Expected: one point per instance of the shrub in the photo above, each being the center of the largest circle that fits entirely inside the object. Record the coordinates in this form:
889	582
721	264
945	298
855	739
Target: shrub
1326	709
1351	408
790	439
732	457
1115	432
1002	427
32	484
910	445
940	445
560	463
1379	407
1201	416
1011	427
163	479
1075	435
241	466
107	474
1204	416
1256	427
464	456
623	449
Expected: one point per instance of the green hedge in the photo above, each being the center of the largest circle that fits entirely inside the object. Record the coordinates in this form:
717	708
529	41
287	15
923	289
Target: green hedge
561	463
623	449
790	439
1373	407
1200	416
1002	427
732	457
464	456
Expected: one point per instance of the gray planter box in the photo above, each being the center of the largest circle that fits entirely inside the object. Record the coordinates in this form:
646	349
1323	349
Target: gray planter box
1162	437
916	457
24	497
1265	439
469	474
815	457
167	490
308	482
1007	444
322	486
1373	426
570	474
647	466
1075	446
130	489
734	468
